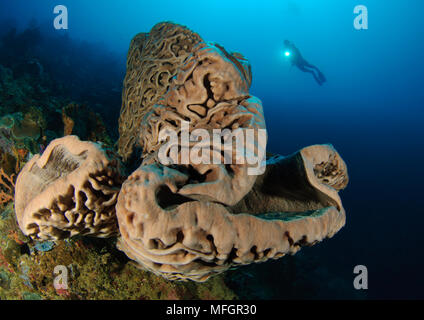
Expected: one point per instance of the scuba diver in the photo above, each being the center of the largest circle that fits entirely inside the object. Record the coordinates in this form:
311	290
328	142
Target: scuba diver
294	54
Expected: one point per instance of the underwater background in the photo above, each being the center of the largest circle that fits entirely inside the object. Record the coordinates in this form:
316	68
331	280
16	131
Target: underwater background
370	109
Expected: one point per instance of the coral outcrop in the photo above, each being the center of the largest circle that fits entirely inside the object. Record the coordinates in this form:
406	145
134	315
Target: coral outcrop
70	189
20	137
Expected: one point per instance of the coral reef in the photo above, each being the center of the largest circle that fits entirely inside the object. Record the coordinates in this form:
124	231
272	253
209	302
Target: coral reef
21	92
49	70
179	220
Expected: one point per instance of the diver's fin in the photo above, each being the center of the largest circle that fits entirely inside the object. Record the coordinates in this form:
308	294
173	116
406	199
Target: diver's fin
321	76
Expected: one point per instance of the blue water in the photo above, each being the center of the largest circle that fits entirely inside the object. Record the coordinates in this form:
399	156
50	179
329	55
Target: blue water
370	109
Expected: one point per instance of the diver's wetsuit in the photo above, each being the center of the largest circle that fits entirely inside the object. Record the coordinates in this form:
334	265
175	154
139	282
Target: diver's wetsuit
302	64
